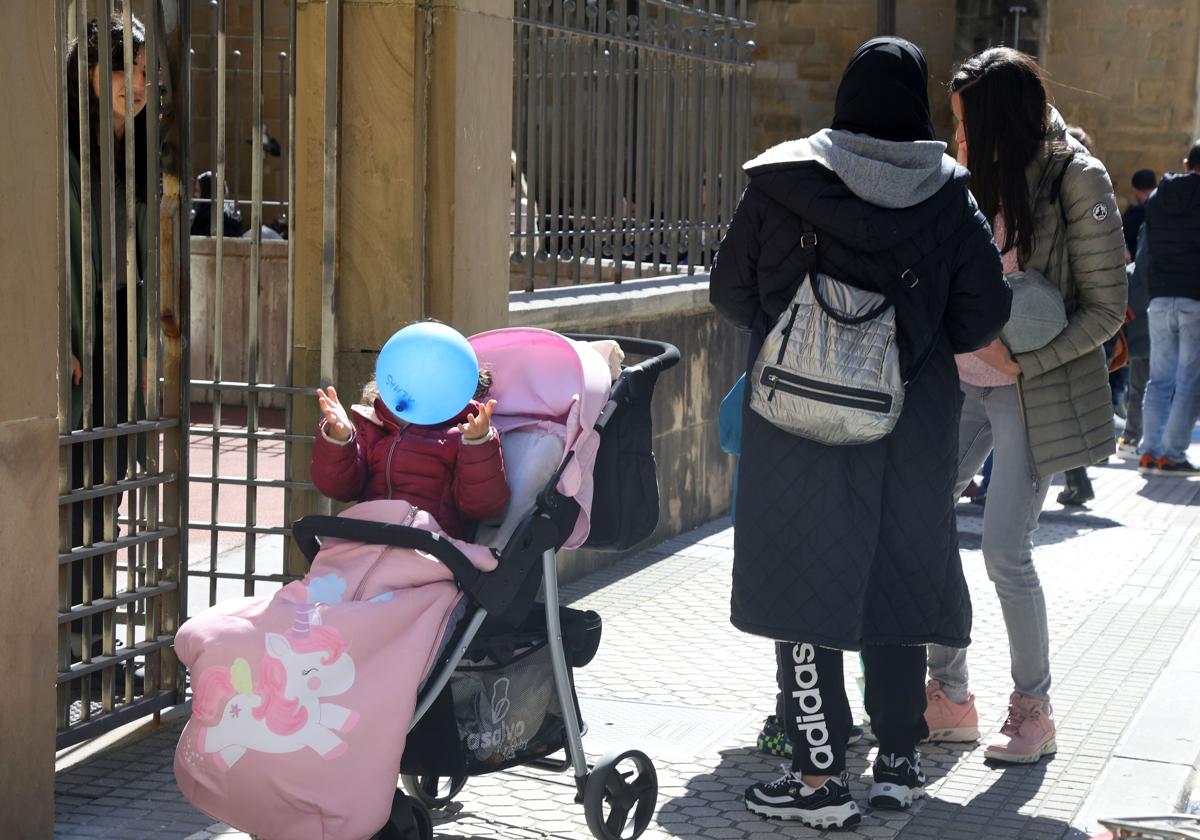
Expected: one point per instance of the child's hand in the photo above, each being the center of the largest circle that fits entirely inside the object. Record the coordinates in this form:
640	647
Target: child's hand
478	425
337	422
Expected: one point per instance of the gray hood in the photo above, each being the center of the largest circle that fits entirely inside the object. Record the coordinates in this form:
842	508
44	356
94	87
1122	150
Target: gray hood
881	172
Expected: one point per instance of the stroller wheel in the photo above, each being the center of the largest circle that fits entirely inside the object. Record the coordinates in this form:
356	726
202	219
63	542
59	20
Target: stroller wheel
620	795
433	791
410	820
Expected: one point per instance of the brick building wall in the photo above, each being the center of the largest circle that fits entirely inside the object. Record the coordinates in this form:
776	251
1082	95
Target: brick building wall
803	45
1126	70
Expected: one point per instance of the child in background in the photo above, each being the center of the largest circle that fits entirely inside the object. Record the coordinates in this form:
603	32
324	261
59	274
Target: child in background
453	470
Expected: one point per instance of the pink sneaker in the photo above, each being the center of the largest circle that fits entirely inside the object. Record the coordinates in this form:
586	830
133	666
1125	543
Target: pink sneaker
947	720
1027	735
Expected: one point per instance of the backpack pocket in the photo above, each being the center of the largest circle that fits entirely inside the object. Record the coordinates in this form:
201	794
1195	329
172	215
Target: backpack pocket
829	370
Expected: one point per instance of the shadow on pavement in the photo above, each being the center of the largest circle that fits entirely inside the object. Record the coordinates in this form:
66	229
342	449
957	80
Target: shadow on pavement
713	800
994	813
1169	490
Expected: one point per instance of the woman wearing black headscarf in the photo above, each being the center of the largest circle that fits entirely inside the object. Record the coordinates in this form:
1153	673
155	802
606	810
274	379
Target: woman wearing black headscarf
855	547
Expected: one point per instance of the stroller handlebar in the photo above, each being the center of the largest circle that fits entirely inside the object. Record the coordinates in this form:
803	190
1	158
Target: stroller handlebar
635	380
309	529
661	355
505	592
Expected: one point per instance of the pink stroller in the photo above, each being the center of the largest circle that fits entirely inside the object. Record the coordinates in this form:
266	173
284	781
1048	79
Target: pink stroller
496	687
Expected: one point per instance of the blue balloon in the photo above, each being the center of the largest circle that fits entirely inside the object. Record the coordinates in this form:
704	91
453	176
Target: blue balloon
427	373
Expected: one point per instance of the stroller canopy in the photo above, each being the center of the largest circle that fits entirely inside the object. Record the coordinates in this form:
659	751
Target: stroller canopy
547	382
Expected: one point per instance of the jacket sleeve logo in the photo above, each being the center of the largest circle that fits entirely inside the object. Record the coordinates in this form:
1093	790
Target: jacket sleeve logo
1100	212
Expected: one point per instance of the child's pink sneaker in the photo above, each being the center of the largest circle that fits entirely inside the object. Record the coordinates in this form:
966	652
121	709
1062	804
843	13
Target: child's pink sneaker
1027	735
947	720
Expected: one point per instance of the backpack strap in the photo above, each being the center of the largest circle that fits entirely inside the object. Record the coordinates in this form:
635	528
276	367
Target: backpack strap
808	252
910	278
808	247
895	289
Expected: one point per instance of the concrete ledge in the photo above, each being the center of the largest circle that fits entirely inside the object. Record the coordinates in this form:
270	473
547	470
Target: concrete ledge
587	306
1156	762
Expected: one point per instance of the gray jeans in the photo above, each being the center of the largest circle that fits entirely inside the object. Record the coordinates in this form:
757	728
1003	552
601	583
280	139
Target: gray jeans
991	419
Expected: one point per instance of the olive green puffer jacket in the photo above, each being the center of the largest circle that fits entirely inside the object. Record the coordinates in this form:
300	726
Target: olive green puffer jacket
1064	385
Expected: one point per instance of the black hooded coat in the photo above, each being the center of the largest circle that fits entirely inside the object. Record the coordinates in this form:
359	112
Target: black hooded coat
846	546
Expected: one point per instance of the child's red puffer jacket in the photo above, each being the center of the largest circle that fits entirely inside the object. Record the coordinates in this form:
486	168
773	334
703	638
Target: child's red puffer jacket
428	466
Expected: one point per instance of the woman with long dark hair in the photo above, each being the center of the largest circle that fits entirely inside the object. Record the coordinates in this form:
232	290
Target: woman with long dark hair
854	547
92	377
1045	411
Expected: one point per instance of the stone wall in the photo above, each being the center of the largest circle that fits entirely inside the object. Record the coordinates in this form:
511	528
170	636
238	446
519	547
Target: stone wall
1126	71
930	25
803	46
234	317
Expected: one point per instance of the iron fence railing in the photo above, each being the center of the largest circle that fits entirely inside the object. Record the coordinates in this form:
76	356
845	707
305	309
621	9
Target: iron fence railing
631	120
121	439
224	77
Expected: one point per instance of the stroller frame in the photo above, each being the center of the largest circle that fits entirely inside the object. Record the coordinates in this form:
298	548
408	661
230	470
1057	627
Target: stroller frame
528	559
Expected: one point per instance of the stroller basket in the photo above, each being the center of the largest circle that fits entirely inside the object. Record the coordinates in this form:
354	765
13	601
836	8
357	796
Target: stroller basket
500	708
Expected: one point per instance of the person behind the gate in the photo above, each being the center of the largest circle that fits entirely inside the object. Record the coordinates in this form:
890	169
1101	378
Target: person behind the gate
454	470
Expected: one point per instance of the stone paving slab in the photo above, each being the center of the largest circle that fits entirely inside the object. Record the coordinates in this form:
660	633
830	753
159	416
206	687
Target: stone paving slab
1123	588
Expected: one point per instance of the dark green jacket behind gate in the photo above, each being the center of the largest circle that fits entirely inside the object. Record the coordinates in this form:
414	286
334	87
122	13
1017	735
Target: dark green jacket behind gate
95	262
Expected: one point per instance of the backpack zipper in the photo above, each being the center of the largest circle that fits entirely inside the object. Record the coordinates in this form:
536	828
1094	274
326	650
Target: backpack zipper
825	392
787	332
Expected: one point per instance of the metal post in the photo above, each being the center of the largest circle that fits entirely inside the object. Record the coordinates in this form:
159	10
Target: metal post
152	282
108	307
329	236
253	314
285	143
218	210
216	202
291	268
237	133
1016	12
132	360
887	17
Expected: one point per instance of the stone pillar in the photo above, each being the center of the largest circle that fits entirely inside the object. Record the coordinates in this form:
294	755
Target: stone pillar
468	148
423	184
1127	73
31	239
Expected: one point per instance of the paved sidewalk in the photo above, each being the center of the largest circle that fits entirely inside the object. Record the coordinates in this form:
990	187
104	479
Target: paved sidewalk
674	679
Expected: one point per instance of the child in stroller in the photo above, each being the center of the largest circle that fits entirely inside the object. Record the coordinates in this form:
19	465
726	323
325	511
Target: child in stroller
558	400
454	470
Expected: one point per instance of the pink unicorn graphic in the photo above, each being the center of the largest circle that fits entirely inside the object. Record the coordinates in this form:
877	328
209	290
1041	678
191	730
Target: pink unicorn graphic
281	711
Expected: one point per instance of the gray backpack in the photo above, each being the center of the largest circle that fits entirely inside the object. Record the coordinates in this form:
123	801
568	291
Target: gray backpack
829	370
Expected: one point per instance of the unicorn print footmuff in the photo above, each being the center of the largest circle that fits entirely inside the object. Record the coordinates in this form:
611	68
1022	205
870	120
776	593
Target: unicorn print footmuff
301	701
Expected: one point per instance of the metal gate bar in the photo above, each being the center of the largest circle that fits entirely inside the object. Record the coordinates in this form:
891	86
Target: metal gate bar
103	679
228	383
629	130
